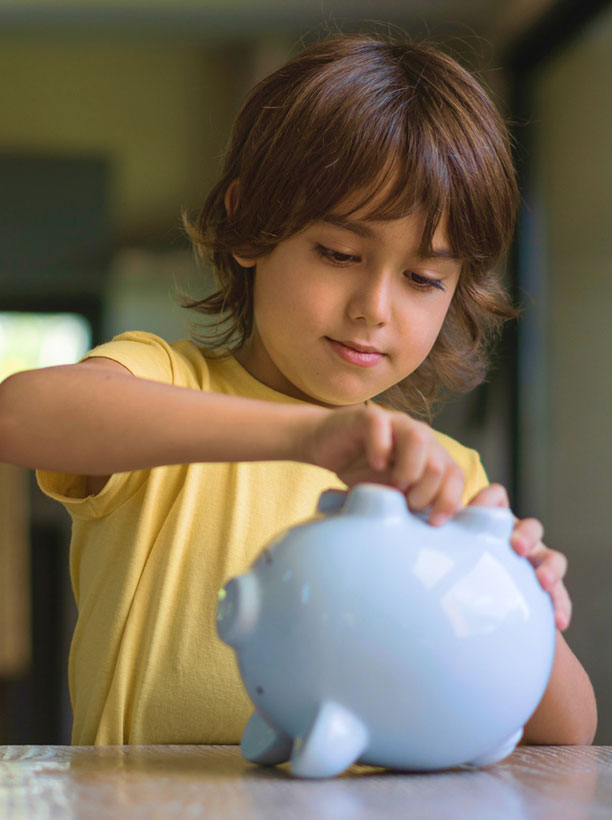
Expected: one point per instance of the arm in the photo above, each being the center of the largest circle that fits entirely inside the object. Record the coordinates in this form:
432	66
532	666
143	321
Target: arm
96	418
567	714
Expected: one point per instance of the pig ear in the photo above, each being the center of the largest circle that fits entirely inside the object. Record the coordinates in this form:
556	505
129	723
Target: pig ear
335	740
331	501
262	744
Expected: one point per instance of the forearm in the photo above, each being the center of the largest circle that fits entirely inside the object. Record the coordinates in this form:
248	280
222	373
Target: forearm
567	714
76	419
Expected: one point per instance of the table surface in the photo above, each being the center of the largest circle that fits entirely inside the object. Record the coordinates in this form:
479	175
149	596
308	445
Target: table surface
548	782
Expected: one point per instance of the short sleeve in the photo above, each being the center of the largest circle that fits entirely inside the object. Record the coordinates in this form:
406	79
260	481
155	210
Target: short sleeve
70	491
146	356
469	461
475	477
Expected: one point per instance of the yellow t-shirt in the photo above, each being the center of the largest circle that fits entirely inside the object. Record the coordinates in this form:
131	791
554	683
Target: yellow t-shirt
149	553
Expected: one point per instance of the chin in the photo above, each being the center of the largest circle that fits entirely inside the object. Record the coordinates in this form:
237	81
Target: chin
338	399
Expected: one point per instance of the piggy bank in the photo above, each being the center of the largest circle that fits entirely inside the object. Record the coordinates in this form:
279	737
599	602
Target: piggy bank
366	635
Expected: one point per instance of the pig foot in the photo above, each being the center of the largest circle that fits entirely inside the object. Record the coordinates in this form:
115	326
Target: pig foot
262	744
334	741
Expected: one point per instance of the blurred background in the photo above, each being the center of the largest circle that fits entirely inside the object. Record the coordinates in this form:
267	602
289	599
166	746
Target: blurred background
113	119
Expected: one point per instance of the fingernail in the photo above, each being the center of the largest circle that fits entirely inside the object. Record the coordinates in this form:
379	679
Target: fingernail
519	545
438	519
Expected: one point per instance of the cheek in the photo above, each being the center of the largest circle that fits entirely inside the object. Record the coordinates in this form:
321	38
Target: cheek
426	323
305	302
280	306
421	331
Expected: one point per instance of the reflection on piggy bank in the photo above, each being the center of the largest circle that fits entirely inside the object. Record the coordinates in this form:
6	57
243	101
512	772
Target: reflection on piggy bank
367	635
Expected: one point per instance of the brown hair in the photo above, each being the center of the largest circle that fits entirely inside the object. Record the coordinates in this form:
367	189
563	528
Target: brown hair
352	116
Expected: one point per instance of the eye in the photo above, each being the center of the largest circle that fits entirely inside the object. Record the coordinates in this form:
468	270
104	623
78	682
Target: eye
335	257
424	282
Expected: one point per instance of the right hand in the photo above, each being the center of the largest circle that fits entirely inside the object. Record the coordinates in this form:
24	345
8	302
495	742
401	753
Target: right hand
372	444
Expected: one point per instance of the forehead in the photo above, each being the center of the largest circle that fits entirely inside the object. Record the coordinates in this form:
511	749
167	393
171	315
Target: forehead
390	198
374	229
364	221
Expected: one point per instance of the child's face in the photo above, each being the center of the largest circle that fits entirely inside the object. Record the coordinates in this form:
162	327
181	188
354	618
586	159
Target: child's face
331	290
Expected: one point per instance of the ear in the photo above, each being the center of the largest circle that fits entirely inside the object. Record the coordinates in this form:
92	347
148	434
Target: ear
231	197
231	202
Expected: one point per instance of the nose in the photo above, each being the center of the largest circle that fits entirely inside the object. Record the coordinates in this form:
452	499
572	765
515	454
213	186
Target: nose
371	299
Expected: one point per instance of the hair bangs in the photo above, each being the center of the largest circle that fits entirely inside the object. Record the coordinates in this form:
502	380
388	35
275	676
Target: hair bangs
414	178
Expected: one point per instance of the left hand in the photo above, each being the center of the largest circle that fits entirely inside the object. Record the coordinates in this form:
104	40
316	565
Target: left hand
526	540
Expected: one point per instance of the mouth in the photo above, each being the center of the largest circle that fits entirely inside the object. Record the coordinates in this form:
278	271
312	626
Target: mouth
361	348
356	353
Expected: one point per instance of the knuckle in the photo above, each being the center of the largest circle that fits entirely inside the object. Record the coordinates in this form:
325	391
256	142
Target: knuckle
449	502
500	491
375	420
436	467
456	473
449	496
413	430
373	415
534	524
561	561
419	435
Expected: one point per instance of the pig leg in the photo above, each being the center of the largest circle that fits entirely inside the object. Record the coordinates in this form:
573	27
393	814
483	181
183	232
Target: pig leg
262	744
335	740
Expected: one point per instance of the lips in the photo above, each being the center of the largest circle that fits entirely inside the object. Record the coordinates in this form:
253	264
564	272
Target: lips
360	348
356	353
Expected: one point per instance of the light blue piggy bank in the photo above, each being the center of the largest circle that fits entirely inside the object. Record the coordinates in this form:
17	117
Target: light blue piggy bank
367	635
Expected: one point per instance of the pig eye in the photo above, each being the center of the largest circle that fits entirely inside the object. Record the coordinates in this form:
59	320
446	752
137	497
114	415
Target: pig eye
259	690
267	556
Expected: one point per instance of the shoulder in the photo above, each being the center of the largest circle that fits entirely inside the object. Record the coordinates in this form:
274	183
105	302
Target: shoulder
469	461
148	356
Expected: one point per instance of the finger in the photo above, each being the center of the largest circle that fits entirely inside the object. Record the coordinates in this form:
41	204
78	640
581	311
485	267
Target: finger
411	446
550	568
448	501
422	492
526	536
379	440
562	606
441	488
358	471
493	495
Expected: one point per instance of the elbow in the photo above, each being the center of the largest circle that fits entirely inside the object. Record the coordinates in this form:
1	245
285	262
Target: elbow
8	419
571	721
587	736
580	735
585	733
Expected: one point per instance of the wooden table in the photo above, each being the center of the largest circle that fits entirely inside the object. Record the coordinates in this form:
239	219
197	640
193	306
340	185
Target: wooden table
551	783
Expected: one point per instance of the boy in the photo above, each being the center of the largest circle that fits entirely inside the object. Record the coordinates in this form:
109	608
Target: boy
367	192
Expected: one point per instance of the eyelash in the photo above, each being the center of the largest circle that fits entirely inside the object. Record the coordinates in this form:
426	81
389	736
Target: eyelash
340	259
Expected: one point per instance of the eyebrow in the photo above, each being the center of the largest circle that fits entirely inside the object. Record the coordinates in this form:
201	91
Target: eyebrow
365	231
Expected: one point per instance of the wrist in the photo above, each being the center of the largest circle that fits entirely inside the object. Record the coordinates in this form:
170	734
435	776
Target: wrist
302	421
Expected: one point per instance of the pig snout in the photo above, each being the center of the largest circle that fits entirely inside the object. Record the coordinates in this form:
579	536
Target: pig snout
238	609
